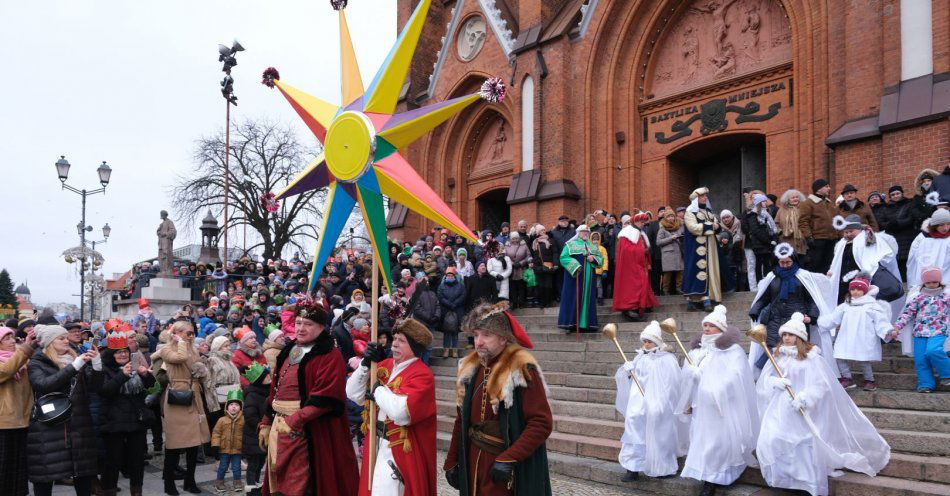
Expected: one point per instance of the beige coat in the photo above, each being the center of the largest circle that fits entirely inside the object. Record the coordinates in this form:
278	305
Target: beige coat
229	434
16	395
185	426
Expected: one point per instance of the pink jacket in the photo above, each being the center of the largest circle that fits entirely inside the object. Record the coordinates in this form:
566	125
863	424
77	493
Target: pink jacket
287	321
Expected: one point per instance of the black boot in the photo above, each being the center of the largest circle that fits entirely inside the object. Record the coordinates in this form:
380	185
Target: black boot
709	489
191	462
694	306
168	472
707	306
631	476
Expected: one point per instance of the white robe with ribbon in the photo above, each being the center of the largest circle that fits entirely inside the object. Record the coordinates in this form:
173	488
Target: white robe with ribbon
789	455
861	324
653	437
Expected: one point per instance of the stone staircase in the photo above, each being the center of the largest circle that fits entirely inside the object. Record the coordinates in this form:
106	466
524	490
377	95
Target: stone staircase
585	443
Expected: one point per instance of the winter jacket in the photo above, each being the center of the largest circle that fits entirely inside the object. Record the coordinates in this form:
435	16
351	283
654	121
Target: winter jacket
56	452
774	312
344	340
861	210
242	359
288	321
426	308
758	237
452	296
671	250
228	435
480	288
814	218
928	314
185	425
123	412
255	406
520	257
225	376
890	222
16	395
919	210
560	236
496	268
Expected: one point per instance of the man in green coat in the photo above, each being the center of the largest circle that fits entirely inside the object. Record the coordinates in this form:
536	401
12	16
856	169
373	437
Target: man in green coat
580	258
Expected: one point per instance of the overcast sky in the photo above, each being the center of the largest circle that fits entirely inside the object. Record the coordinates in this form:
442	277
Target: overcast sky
135	84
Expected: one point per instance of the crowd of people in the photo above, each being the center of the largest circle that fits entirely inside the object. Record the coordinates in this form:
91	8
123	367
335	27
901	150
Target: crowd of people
274	356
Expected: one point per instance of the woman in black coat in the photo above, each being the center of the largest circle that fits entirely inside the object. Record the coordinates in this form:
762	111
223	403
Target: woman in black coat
124	417
66	450
480	287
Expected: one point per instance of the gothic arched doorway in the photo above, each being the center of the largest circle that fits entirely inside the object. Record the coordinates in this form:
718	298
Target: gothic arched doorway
726	164
493	210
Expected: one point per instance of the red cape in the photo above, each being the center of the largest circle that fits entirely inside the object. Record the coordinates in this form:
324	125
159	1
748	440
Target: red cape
632	291
415	457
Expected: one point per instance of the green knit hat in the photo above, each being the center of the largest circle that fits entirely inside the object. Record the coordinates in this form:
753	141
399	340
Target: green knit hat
273	326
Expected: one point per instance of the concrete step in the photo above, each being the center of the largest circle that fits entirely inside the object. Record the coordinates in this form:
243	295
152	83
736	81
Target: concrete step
610	472
886	418
917	442
918	467
861	485
908	400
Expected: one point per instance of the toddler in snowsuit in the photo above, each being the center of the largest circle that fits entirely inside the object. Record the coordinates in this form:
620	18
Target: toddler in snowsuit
928	316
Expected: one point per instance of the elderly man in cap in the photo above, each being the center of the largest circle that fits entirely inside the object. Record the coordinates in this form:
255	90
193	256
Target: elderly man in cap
560	235
305	430
406	457
503	417
850	204
814	221
580	258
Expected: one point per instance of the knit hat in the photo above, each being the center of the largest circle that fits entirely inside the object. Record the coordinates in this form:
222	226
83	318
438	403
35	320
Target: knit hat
21	327
759	198
45	334
359	323
931	274
795	326
582	228
357	291
625	219
450	270
717	318
461	251
218	342
852	221
143	303
861	282
416	333
896	187
653	333
818	184
940	216
848	188
726	213
495	319
243	334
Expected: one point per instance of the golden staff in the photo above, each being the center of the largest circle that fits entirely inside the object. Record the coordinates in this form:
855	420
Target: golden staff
610	330
669	327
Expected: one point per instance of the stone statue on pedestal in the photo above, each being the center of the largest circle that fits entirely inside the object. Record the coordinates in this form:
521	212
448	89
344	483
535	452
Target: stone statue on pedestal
166	238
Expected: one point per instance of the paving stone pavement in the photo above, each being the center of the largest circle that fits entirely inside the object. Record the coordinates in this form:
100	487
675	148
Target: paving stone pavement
205	475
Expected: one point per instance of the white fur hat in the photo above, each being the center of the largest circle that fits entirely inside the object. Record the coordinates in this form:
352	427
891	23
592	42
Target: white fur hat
795	326
653	333
717	318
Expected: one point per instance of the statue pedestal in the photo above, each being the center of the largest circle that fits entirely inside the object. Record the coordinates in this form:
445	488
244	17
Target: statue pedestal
165	296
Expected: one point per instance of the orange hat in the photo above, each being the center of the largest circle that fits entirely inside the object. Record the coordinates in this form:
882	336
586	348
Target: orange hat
243	333
143	303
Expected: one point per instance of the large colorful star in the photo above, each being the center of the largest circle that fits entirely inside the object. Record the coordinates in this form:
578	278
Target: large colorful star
362	138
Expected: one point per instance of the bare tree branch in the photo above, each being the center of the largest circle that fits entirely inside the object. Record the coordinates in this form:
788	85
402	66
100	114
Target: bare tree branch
264	157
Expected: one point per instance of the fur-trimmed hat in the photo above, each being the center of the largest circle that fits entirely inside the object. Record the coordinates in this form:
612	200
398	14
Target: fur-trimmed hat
717	318
652	333
796	326
311	310
416	333
495	319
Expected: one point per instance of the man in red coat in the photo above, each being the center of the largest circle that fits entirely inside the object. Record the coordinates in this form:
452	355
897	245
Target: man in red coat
632	292
305	430
406	423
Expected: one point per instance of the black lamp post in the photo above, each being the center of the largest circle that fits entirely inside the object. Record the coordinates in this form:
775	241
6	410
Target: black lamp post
106	231
105	173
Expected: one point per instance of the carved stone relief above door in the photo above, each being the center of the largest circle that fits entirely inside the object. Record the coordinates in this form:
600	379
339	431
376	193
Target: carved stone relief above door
716	40
471	38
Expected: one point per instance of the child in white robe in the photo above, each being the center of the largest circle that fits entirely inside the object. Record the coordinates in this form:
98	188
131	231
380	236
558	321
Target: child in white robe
719	392
653	436
862	322
789	453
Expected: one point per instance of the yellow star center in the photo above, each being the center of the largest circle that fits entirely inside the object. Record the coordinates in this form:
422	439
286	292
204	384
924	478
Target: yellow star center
350	146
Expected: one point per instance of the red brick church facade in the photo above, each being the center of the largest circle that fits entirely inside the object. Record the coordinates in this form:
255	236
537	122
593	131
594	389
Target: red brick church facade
623	104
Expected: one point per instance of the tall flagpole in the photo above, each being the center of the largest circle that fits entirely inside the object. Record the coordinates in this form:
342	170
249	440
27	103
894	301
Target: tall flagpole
374	335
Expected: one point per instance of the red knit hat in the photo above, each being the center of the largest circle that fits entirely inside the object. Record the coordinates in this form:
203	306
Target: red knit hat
143	303
860	283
